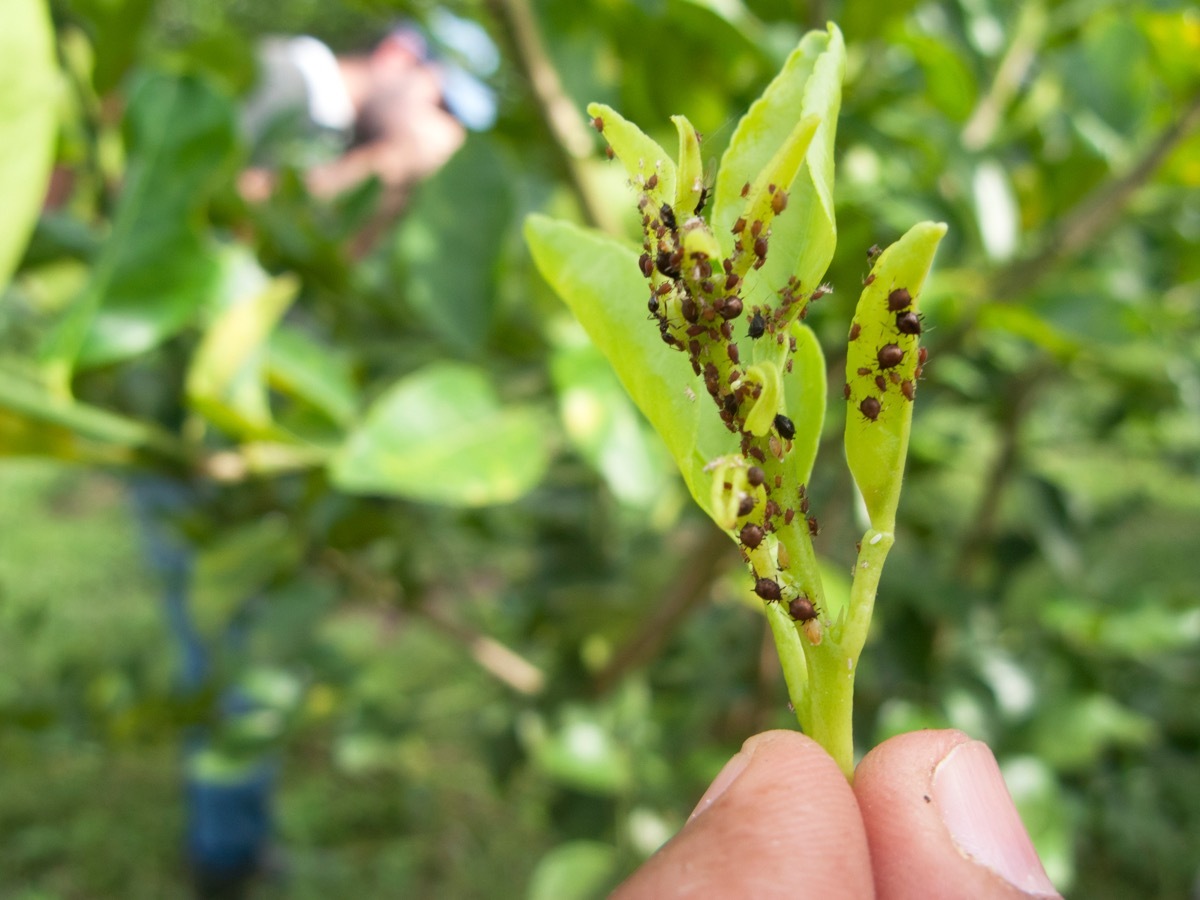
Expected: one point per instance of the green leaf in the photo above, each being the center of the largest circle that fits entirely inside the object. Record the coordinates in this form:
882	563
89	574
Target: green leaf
28	120
950	83
584	753
441	436
576	870
639	153
770	187
604	426
449	243
157	269
302	367
116	28
804	236
878	421
690	176
599	279
805	399
226	381
35	422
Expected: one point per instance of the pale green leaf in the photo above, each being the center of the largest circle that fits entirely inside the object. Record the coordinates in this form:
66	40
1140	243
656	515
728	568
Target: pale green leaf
691	169
301	366
878	421
576	870
442	436
804	393
28	118
226	381
602	424
598	278
639	153
804	236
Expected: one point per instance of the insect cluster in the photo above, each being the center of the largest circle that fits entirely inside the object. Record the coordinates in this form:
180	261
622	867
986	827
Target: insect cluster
696	300
885	372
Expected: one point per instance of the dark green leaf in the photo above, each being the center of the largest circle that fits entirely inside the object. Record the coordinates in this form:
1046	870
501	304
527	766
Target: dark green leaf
157	268
450	241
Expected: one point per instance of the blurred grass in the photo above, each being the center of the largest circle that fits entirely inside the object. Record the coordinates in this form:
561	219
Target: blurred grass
81	640
91	780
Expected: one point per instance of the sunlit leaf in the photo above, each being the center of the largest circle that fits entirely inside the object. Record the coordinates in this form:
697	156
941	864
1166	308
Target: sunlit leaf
226	382
639	153
584	754
599	280
576	870
28	117
881	365
690	188
810	84
604	426
442	436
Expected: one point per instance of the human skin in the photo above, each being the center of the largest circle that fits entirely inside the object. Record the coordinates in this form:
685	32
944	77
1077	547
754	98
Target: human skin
928	816
413	134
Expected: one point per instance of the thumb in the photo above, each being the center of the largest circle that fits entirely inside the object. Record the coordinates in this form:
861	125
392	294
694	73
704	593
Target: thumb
941	822
779	820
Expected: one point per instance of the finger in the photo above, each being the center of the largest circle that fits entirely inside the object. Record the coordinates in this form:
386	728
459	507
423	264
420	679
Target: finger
780	820
941	823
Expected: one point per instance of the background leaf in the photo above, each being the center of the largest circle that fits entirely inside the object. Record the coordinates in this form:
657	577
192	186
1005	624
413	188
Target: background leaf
226	382
441	436
157	268
447	249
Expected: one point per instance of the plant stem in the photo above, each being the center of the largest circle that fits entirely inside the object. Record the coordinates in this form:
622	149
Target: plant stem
831	702
823	693
867	570
117	439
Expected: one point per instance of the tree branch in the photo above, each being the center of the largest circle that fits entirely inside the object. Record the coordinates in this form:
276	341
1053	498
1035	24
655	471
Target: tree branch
1096	212
701	563
985	119
558	111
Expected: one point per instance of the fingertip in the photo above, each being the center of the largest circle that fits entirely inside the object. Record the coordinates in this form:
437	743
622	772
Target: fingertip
780	820
941	823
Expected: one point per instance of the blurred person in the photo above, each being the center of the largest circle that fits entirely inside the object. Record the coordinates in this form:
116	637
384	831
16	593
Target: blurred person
928	817
396	112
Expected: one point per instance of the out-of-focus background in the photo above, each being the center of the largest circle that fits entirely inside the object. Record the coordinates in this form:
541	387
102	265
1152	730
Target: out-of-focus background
329	549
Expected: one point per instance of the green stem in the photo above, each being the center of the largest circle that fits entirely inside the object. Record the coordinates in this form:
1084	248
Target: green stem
871	555
820	678
831	702
92	423
792	656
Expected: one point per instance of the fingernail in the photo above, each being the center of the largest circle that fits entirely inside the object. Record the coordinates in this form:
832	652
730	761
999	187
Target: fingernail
978	811
727	776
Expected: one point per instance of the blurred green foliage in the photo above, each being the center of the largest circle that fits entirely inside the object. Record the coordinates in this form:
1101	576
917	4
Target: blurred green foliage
472	699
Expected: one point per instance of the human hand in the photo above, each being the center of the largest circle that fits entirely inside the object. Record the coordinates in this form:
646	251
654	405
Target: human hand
928	817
